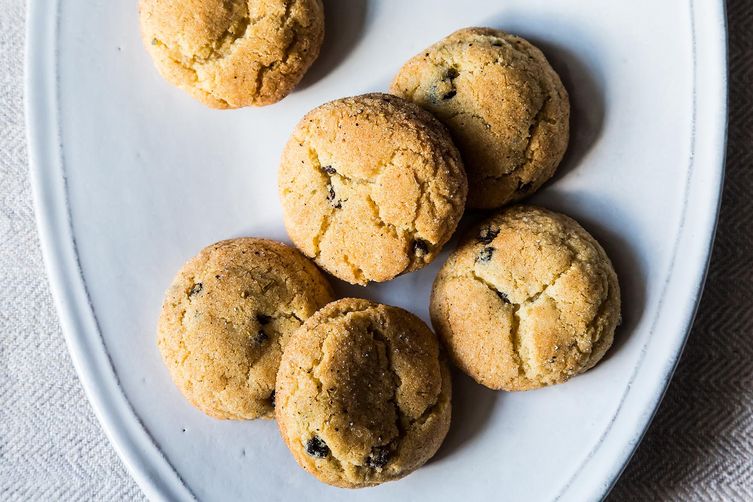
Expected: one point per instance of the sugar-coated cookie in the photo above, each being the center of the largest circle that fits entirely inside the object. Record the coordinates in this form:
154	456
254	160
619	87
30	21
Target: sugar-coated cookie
227	317
363	394
528	299
233	53
371	187
504	105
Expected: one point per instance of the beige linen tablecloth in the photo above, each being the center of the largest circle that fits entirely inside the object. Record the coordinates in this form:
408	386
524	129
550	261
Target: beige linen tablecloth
700	446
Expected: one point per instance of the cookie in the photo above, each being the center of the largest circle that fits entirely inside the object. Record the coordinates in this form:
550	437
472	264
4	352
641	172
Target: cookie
371	186
504	105
363	394
227	317
233	53
528	299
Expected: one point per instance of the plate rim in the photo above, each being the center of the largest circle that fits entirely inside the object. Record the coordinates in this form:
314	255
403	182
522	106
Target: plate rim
142	457
709	43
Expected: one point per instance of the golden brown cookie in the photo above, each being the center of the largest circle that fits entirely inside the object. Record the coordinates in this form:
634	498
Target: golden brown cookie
504	105
227	317
363	394
371	187
528	299
233	53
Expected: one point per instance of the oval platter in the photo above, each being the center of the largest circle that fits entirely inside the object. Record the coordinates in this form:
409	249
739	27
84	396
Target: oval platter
131	177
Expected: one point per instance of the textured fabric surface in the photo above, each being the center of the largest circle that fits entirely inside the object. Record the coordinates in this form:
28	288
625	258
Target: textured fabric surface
700	446
51	445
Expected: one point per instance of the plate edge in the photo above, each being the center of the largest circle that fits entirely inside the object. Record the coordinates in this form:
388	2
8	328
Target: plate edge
141	456
715	30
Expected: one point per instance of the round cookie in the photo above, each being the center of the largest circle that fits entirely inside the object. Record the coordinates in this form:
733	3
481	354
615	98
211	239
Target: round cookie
363	394
504	105
233	53
227	317
528	299
371	187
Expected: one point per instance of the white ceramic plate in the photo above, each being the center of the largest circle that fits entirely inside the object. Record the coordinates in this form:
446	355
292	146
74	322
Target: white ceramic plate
132	177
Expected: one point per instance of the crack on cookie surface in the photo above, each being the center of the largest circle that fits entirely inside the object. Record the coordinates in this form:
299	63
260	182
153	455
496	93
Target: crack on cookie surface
324	225
379	337
355	270
528	153
246	33
522	365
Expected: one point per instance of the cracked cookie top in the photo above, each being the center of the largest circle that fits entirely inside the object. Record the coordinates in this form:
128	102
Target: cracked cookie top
233	53
528	299
371	187
363	394
505	106
227	317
